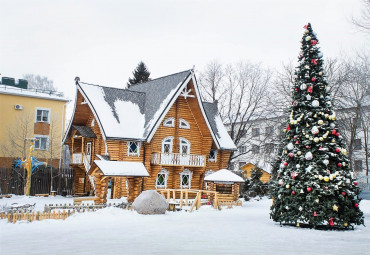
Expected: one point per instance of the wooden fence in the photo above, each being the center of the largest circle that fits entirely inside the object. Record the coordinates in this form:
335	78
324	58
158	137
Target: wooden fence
13	181
33	216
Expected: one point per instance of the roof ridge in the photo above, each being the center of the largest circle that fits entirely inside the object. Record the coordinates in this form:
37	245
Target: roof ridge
109	87
189	70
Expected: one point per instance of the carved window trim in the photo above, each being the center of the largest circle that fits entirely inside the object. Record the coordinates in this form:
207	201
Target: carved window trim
131	151
212	157
185	179
184	124
166	142
164	173
184	142
169	122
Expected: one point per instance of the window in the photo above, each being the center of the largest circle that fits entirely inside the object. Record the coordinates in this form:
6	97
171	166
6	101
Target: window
42	115
255	149
133	148
205	175
357	145
162	177
41	142
170	122
184	124
224	188
93	122
185	179
269	130
212	156
358	166
243	149
167	144
255	132
241	163
357	121
184	146
269	147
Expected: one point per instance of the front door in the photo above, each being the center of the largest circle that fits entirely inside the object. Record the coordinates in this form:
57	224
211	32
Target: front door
88	151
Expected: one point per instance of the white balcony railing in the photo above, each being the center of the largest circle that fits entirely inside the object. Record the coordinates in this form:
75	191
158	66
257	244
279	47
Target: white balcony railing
77	158
178	159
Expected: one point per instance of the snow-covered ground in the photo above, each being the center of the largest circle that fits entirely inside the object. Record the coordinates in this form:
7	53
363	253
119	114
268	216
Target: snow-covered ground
240	230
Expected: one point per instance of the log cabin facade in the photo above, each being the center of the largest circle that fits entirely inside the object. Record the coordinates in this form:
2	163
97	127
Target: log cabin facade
154	135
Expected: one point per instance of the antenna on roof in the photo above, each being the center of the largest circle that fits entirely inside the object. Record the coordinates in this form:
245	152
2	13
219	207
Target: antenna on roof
77	80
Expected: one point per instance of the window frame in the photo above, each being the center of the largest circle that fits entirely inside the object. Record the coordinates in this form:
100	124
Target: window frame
182	139
46	144
357	144
165	122
355	166
163	143
256	132
164	172
269	130
256	149
42	110
186	172
242	149
185	123
138	147
214	159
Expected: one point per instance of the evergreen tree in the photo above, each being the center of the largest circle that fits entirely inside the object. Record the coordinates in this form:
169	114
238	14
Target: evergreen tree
254	186
141	74
316	187
273	184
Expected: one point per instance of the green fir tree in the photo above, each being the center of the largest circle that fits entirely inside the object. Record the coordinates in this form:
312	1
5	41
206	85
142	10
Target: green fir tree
141	74
315	184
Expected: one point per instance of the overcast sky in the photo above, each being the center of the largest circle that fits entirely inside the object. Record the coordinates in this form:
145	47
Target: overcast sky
103	41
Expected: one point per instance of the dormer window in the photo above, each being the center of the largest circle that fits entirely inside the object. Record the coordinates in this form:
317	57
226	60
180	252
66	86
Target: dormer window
133	148
169	122
184	124
212	156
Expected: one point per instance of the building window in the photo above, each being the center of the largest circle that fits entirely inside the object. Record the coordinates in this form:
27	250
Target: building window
167	144
42	115
162	177
255	149
184	146
269	147
269	130
205	175
170	122
358	166
357	121
41	142
212	156
133	148
255	132
357	145
243	149
184	124
241	164
93	122
185	179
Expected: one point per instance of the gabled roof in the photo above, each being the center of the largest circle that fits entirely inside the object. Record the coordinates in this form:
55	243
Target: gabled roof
135	113
218	127
223	175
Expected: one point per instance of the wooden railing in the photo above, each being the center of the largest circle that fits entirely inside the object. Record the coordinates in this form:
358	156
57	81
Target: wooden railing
77	158
178	159
86	162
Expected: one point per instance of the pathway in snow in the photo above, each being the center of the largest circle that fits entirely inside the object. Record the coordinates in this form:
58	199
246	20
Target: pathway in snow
241	230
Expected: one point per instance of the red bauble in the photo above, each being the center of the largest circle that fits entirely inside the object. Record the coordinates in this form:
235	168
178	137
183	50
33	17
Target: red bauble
331	222
333	132
337	150
313	79
307	146
313	42
296	89
306	26
314	61
326	188
287	128
309	189
320	148
297	142
355	183
339	164
290	155
337	134
285	163
293	192
314	214
310	88
279	175
344	193
356	205
295	137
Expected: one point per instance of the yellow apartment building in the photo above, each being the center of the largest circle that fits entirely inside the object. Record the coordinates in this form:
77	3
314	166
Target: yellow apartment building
28	113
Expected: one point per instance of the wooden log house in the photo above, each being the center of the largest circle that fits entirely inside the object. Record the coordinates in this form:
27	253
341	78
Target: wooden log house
154	135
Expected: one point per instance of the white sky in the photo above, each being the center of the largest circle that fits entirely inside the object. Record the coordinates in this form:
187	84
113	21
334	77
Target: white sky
103	41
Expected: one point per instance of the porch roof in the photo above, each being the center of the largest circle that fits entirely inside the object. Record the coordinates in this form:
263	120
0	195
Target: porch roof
223	175
85	131
122	168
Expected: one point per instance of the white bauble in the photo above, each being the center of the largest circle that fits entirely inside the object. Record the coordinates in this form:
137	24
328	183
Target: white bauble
303	86
315	103
327	89
332	125
308	97
306	31
290	146
325	162
315	130
308	156
320	122
320	55
308	38
307	136
316	139
298	166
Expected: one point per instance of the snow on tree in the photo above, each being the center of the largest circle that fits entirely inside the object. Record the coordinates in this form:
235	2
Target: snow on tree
141	74
315	183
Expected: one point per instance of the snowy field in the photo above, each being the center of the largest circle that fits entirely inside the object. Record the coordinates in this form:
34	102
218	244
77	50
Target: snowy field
241	230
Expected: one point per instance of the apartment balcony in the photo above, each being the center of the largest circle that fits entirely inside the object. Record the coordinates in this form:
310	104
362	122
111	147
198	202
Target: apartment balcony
178	159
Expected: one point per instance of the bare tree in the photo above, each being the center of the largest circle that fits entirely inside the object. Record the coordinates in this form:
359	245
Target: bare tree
241	91
39	82
363	22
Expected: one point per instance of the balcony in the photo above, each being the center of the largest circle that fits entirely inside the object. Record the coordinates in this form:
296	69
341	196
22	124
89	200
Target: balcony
178	159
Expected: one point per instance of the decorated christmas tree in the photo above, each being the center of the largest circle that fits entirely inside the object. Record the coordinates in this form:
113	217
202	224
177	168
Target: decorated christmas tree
315	183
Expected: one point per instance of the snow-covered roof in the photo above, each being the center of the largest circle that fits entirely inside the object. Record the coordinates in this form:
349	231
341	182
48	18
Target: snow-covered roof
122	168
223	175
218	127
50	95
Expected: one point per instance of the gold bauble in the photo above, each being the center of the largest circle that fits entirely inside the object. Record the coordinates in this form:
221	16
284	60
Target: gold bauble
299	153
345	224
326	178
287	186
320	122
